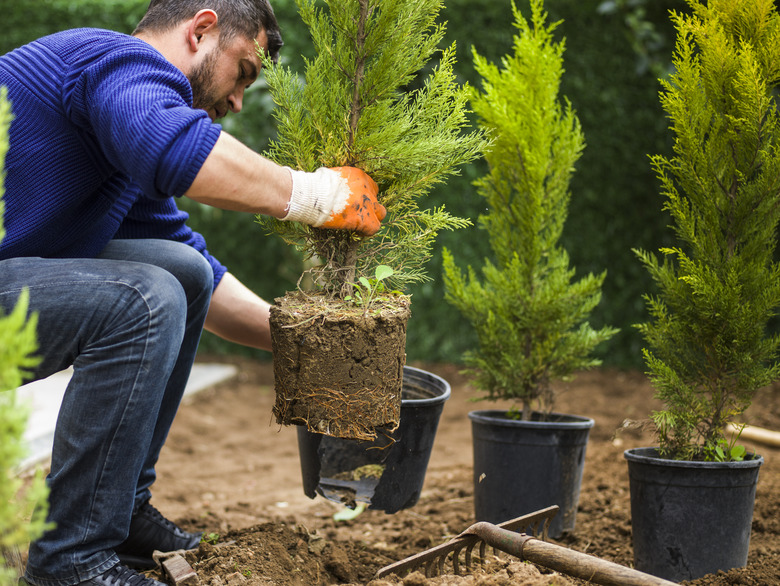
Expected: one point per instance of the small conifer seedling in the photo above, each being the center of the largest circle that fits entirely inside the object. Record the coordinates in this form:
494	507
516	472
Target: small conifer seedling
530	318
352	108
363	102
18	523
709	348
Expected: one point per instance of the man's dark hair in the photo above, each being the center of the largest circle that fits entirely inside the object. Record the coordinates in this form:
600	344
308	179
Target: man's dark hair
237	18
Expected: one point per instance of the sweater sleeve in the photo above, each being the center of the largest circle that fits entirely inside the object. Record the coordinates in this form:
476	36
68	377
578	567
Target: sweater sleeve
152	218
138	107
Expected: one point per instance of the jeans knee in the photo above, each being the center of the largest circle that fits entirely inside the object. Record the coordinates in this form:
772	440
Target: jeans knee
164	297
137	314
201	273
185	263
191	269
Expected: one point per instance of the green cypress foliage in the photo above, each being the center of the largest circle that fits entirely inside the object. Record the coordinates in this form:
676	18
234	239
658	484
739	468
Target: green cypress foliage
530	318
707	347
353	108
17	344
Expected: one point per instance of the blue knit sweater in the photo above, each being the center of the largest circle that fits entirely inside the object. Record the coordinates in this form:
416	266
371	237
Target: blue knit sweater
103	139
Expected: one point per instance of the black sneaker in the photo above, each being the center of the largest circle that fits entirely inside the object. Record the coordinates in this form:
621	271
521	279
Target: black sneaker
150	531
119	575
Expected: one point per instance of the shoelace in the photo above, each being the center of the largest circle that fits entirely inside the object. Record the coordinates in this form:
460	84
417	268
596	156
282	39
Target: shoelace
148	510
120	574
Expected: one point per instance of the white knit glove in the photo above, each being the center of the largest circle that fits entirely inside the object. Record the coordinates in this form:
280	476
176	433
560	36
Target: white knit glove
344	198
316	195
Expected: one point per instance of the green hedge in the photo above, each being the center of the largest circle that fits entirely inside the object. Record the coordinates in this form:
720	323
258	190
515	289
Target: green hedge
615	205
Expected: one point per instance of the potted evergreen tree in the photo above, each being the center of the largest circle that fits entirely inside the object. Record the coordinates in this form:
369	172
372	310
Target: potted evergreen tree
339	349
530	318
17	345
708	347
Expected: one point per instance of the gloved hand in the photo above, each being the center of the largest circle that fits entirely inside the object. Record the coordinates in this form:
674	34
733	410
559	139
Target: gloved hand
341	197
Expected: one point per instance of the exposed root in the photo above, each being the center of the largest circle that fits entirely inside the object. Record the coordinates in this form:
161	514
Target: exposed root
338	414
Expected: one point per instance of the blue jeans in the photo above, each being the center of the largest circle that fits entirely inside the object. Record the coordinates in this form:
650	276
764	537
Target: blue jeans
129	323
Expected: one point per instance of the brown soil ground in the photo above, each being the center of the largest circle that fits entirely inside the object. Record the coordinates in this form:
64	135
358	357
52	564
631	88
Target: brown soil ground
228	469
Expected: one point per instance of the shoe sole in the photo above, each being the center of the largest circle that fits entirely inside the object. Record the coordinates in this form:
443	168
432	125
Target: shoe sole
137	562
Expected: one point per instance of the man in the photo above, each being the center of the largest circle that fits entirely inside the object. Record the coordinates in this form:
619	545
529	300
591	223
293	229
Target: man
109	129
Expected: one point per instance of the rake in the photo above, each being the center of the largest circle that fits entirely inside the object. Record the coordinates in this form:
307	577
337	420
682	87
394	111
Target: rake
529	545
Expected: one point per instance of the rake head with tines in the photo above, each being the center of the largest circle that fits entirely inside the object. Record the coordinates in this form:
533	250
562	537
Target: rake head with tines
527	547
432	561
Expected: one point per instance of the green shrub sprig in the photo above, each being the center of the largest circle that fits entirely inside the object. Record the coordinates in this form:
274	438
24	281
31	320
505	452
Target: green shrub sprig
708	349
529	315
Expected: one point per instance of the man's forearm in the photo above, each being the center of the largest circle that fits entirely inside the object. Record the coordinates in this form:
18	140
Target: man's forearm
234	177
238	315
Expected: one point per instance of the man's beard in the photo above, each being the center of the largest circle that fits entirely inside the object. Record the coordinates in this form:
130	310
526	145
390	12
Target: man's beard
204	95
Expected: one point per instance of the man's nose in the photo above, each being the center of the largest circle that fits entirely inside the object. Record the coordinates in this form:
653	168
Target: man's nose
236	100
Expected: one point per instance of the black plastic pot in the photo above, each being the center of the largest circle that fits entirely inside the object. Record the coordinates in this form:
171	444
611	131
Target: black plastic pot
523	466
387	473
690	519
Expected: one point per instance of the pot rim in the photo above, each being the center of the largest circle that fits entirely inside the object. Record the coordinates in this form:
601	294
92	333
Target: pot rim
497	417
441	384
648	455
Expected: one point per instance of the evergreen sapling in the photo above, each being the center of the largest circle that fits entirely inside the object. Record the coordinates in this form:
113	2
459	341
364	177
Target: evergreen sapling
340	350
708	344
530	318
352	108
18	523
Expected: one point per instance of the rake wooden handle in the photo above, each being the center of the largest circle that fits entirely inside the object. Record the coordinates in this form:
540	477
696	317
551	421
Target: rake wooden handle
757	434
587	567
562	559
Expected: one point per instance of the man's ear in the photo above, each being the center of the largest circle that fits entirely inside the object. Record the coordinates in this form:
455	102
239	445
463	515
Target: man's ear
203	23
